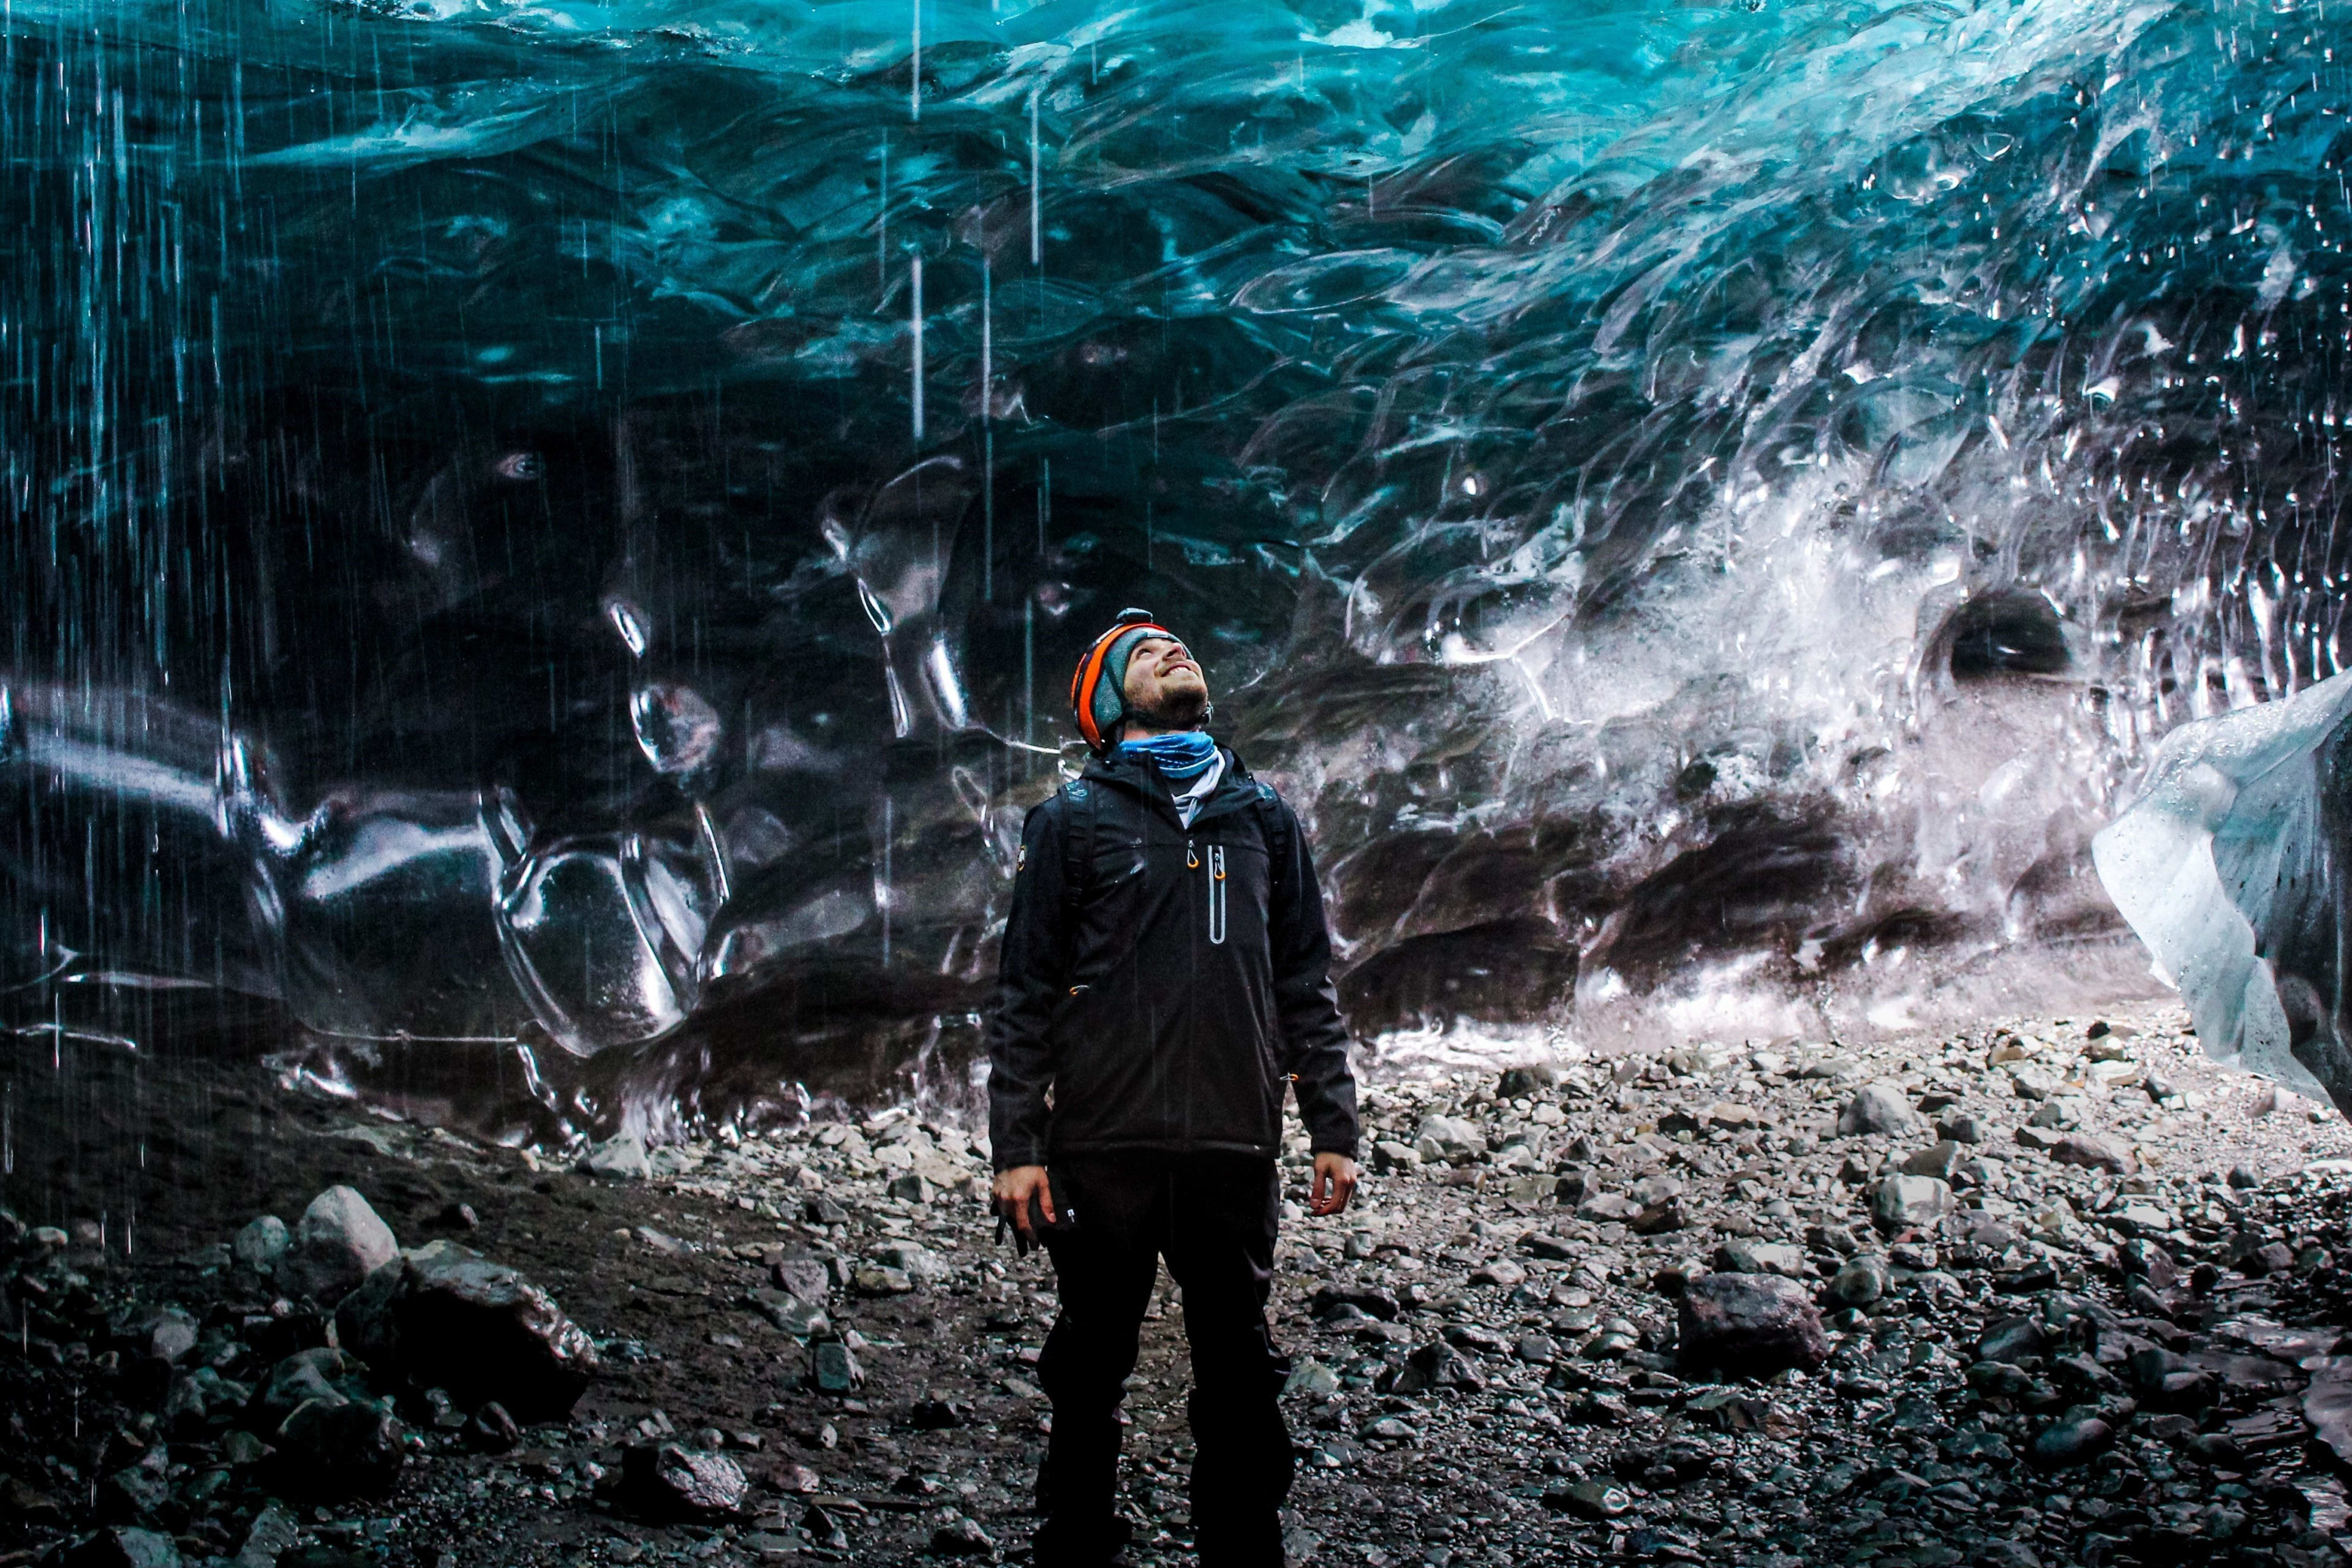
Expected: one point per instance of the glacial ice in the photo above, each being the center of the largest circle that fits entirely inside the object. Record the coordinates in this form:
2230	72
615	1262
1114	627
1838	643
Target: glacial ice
2227	864
1701	507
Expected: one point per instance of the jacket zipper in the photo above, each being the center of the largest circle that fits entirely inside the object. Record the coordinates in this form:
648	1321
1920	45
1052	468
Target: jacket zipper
1216	895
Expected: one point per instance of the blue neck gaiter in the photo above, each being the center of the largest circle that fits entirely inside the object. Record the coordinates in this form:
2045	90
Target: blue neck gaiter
1184	756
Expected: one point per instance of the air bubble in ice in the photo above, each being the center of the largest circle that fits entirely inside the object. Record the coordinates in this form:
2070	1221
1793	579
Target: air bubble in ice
630	623
678	729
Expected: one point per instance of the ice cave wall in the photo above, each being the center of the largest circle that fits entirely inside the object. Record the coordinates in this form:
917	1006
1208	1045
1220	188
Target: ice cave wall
550	524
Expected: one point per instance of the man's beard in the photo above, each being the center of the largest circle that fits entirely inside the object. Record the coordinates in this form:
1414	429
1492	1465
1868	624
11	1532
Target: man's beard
1182	709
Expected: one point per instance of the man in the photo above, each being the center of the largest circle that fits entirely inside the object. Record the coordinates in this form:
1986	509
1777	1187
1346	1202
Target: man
1166	972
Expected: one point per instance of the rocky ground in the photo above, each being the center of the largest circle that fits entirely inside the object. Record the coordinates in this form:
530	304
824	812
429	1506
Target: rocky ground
2058	1292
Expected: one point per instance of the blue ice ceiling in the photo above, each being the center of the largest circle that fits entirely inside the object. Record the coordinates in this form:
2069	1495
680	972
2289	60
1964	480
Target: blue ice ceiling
565	527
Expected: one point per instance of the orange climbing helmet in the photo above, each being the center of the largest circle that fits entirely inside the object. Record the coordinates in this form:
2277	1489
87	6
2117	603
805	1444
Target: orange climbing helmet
1101	676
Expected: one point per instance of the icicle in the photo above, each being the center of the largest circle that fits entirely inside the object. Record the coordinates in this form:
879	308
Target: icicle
987	442
882	225
1036	166
919	347
914	69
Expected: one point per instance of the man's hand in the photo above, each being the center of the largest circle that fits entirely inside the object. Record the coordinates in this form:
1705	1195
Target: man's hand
1335	1184
1016	1187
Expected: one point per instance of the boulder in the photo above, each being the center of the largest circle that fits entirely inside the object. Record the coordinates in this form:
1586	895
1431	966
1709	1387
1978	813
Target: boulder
1750	1324
449	1318
1881	1107
338	1243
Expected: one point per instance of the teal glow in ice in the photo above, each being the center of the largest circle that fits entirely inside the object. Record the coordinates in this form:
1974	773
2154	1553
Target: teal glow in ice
1676	491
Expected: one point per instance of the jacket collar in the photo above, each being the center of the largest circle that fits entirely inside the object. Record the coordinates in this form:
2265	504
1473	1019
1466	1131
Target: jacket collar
1138	777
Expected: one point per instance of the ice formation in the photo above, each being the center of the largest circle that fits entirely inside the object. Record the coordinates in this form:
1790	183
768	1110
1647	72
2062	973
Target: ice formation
558	526
2227	864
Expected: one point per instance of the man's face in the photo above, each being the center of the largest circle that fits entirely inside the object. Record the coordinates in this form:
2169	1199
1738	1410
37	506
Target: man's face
1164	687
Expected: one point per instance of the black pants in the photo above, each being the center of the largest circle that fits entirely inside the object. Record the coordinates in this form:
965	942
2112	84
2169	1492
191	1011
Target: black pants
1212	1216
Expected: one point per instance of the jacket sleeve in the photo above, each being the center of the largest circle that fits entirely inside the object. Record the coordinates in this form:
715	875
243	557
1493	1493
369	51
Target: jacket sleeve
1028	981
1314	1038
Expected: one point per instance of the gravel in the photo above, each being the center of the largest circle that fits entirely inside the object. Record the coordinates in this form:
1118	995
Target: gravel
1989	1350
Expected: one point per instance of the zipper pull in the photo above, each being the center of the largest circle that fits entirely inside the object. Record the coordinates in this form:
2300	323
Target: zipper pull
1192	857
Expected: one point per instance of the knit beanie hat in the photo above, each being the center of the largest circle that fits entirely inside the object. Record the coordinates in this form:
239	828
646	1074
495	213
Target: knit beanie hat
1095	686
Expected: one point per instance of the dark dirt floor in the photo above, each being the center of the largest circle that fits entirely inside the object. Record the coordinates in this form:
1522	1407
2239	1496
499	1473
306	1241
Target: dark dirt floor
1488	1365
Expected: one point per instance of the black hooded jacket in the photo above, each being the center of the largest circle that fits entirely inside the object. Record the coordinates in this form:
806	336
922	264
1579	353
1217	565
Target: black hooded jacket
1164	982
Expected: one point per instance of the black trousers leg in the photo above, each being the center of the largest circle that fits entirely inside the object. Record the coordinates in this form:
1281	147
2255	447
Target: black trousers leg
1104	1271
1220	1244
